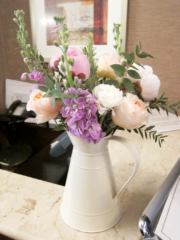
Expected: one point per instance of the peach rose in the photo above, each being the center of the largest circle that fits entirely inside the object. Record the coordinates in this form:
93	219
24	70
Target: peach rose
42	106
131	113
104	61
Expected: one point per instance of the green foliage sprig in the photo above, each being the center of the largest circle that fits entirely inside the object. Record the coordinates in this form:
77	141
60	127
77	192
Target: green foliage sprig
32	58
147	133
163	103
89	51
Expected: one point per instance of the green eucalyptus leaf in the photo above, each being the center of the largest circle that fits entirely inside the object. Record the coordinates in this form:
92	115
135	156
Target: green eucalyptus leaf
128	56
43	88
53	100
149	128
58	100
112	82
140	65
134	74
41	58
49	83
140	46
137	49
128	84
118	69
58	87
144	55
47	94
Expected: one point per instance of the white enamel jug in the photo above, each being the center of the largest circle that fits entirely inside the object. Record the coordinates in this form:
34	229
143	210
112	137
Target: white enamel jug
91	202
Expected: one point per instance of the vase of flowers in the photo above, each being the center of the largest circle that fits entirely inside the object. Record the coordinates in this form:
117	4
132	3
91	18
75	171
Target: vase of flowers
91	201
91	96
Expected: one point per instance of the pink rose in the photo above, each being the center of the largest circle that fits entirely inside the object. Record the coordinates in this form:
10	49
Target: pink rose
131	113
81	67
55	61
42	106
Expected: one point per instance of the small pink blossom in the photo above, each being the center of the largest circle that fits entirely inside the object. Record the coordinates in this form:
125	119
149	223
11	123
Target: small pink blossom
24	76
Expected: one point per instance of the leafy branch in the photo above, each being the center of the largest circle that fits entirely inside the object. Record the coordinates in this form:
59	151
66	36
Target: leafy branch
89	51
32	58
163	103
147	133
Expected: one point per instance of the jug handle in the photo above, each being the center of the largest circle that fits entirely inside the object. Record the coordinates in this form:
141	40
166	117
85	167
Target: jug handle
134	153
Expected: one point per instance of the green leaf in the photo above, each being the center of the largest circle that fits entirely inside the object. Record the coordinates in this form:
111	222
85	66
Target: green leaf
43	88
137	49
58	128
140	65
134	74
134	68
128	56
140	44
141	126
118	69
57	86
141	133
53	100
47	94
64	95
58	100
129	130
60	94
146	135
112	82
41	58
49	83
128	84
144	55
162	95
135	130
149	128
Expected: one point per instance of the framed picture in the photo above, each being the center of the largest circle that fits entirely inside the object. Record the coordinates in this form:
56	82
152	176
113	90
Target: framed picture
83	17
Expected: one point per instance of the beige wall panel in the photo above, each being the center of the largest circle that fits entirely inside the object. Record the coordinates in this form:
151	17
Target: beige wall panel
157	24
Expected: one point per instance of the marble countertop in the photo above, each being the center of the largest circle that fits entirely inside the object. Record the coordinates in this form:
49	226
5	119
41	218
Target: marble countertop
29	208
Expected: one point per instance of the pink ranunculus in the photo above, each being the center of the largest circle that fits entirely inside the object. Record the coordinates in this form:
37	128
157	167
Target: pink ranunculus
42	106
131	113
55	61
81	67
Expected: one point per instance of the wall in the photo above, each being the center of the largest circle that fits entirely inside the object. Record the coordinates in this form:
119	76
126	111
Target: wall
11	64
155	23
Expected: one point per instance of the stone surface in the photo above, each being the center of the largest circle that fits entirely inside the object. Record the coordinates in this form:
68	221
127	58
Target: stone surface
29	208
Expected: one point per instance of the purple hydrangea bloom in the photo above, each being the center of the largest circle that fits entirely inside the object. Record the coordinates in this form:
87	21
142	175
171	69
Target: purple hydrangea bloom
36	76
81	118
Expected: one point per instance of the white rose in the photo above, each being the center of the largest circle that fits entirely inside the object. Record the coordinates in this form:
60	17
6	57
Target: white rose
107	96
131	113
149	82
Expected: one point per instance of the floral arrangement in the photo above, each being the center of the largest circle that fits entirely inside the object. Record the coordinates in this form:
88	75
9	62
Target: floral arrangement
92	95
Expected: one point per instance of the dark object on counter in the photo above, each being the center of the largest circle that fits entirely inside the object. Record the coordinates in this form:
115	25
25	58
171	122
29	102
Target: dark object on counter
61	145
12	156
